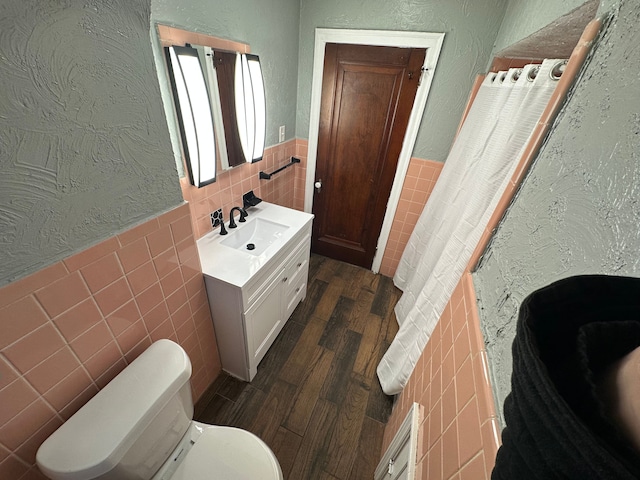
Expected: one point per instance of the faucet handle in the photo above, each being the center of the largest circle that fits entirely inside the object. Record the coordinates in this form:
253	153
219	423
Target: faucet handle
217	218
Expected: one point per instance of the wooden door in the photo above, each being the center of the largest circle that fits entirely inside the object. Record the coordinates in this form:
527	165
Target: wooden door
367	97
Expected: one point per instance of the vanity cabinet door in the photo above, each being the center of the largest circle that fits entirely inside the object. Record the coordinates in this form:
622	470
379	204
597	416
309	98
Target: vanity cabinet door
263	321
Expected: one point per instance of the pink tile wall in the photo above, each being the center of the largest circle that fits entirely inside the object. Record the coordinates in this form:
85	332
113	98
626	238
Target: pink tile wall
226	193
459	431
68	329
419	182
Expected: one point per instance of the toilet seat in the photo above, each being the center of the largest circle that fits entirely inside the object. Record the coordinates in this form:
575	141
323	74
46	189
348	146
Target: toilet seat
228	453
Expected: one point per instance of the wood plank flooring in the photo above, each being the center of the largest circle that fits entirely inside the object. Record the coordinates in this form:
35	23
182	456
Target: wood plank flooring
316	400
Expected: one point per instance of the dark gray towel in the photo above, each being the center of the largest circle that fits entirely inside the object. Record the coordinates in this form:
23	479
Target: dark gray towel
557	426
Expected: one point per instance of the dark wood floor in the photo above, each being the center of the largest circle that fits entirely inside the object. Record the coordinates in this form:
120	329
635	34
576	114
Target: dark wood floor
316	400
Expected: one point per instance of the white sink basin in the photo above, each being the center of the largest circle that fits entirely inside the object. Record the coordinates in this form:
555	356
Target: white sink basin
255	236
269	227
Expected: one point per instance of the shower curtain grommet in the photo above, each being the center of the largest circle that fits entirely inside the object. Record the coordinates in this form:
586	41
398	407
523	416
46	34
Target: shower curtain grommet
557	70
533	73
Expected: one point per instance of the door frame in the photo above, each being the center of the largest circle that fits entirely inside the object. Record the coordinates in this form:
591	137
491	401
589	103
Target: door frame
432	43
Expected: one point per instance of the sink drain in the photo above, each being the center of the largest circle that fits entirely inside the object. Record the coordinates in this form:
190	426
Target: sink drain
250	246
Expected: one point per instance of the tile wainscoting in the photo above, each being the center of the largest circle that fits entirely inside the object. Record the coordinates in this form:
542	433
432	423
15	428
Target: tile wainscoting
71	327
286	188
418	184
460	431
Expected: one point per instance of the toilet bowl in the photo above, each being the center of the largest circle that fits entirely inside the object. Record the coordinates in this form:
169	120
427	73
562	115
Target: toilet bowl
140	427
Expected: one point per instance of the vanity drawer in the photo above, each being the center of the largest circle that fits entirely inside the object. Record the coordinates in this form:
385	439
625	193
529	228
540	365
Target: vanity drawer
297	274
298	265
295	296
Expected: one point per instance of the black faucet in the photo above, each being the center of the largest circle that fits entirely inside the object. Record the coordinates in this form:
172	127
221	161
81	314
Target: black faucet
243	216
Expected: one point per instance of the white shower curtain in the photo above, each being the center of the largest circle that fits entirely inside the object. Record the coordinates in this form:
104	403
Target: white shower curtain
477	171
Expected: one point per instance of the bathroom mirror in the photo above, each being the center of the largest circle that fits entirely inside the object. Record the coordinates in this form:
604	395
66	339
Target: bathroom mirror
242	102
236	94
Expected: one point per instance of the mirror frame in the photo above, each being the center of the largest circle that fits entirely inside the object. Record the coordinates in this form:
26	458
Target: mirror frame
197	128
229	156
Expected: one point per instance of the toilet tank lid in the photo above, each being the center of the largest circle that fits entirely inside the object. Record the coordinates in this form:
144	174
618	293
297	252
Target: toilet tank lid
98	435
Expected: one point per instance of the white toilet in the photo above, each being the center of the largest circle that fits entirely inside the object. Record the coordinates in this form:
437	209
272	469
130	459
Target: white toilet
140	427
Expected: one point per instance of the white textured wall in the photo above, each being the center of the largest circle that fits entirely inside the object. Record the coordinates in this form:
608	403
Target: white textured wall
84	147
470	26
578	210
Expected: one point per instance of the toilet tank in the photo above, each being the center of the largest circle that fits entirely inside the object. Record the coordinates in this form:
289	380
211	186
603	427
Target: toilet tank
131	426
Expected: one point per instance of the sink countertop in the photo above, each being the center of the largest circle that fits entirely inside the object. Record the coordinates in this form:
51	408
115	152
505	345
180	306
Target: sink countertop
237	267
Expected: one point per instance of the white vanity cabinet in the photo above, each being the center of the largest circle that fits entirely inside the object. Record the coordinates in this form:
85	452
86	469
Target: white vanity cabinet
250	310
265	317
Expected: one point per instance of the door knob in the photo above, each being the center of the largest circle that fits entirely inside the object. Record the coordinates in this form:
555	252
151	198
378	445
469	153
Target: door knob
318	185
